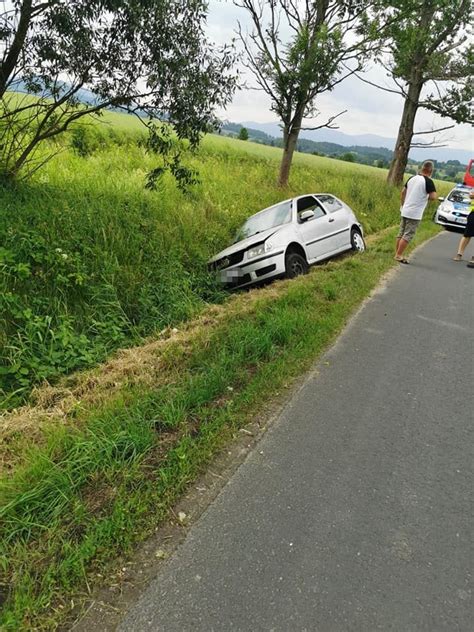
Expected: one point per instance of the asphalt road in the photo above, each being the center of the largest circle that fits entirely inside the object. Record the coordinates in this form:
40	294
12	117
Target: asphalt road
355	510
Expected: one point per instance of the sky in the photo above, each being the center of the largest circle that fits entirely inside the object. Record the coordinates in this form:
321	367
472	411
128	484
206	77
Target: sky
370	110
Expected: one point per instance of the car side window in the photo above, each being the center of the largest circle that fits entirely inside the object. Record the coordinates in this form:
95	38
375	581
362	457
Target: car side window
310	203
330	203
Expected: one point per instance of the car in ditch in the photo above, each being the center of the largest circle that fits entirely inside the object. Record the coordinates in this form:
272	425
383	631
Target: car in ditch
286	238
453	210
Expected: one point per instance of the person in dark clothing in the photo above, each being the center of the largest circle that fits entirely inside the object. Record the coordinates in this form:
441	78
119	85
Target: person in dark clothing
468	233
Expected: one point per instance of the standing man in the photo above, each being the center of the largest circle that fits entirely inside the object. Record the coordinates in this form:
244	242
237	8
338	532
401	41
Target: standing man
415	195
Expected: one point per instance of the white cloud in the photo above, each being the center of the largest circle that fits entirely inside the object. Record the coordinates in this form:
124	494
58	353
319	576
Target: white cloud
370	110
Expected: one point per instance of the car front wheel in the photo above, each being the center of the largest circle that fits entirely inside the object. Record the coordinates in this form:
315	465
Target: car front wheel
357	241
295	265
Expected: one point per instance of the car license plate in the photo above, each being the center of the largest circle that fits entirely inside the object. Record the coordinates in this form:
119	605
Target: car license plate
459	220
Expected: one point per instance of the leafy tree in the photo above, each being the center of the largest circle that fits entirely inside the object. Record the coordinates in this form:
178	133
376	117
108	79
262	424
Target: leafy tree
452	171
77	57
243	133
431	61
348	157
329	40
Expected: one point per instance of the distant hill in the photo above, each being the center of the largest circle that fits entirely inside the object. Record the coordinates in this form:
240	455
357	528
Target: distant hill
314	147
368	140
377	156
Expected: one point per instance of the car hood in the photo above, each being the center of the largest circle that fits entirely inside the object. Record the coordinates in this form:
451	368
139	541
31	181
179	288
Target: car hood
456	206
246	243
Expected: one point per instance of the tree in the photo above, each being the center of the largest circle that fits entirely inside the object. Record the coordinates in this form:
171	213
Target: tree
76	57
430	61
348	157
317	56
243	133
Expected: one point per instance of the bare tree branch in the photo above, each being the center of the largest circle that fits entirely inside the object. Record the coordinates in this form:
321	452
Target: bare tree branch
432	145
434	131
377	85
327	124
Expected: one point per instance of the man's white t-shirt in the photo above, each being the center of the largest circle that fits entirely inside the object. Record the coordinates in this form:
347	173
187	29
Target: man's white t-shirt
418	189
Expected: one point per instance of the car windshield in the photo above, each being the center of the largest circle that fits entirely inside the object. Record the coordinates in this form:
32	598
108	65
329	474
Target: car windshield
270	218
460	196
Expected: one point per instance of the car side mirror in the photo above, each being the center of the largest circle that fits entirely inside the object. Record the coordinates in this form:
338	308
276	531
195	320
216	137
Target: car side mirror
306	215
441	199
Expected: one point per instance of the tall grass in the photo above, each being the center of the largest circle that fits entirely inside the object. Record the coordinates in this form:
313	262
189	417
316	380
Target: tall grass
89	491
90	260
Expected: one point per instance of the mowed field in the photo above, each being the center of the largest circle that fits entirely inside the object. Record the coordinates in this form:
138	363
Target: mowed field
92	261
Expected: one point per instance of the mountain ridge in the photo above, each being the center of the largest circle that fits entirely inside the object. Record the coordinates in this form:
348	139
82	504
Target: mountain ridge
369	140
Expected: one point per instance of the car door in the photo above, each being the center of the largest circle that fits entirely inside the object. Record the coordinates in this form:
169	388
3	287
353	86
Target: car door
338	218
315	231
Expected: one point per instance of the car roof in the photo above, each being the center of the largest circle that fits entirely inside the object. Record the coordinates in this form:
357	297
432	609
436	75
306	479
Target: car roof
318	193
298	197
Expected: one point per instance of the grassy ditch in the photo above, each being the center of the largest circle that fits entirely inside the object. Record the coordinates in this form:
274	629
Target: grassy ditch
91	261
110	457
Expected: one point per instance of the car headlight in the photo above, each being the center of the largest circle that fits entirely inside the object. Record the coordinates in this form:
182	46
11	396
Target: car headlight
258	250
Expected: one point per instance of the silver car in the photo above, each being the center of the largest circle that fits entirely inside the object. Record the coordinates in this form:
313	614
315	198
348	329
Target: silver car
453	210
285	239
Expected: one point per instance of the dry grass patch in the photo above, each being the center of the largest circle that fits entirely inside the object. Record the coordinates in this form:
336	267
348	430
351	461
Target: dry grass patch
156	363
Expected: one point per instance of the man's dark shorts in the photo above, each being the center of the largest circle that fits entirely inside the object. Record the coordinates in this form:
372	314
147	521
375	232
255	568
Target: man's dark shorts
469	232
408	228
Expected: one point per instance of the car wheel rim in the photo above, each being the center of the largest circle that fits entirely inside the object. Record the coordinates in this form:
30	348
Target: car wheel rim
296	268
359	242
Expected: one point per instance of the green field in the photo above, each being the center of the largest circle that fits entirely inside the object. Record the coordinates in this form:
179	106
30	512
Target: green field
92	261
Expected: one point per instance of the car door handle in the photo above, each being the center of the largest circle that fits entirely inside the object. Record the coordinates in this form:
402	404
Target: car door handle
331	219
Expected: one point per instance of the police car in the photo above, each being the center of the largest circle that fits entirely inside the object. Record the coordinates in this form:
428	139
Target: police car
454	209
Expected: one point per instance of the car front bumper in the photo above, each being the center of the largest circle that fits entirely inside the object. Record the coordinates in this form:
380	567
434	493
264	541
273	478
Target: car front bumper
249	272
451	220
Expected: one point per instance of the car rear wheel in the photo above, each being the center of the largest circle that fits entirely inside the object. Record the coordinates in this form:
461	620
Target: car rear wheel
357	241
295	265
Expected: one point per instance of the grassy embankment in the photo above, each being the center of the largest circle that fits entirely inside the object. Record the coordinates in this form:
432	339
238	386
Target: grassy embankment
90	261
95	462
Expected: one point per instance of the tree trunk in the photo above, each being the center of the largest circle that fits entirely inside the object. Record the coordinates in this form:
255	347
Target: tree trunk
7	67
415	82
290	138
405	133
